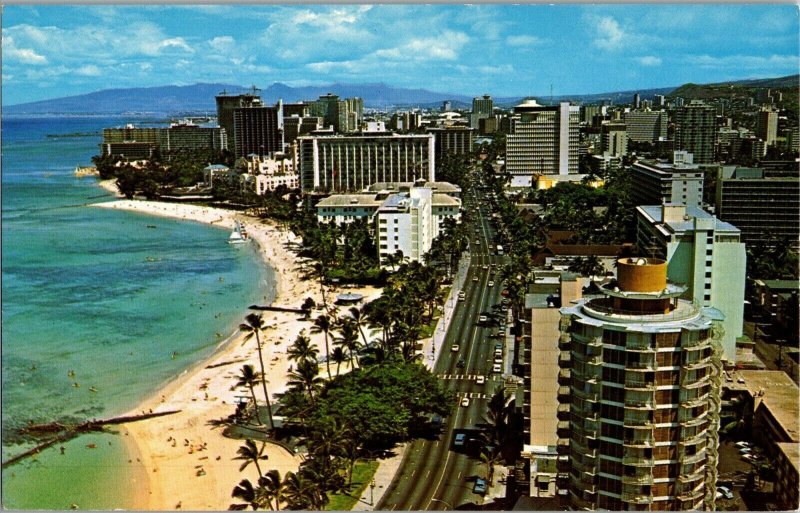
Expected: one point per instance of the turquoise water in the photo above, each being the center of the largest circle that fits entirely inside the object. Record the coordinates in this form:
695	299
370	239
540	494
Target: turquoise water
98	293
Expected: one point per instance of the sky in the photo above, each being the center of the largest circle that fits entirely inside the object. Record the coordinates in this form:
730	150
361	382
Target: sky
51	51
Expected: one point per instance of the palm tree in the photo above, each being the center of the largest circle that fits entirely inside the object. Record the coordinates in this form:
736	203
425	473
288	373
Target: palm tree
302	349
359	318
248	378
490	458
250	454
274	487
322	324
306	377
339	356
254	497
348	340
252	326
300	492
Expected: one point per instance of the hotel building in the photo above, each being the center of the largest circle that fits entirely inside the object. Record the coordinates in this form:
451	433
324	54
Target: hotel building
643	400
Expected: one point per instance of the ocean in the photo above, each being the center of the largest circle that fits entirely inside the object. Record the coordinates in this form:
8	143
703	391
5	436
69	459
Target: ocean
100	308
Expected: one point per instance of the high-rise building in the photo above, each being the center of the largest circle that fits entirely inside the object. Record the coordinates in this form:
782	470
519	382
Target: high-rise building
482	108
614	139
763	208
659	101
353	162
643	400
655	183
636	101
703	253
647	126
141	142
295	126
404	223
344	115
446	106
767	126
454	140
226	104
258	129
695	130
543	140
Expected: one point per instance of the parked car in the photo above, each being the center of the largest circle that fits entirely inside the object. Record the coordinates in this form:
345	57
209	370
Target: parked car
490	284
480	380
480	486
459	440
465	401
455	348
482	318
725	492
497	368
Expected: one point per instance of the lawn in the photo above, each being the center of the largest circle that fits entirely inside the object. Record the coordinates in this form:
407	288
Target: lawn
362	477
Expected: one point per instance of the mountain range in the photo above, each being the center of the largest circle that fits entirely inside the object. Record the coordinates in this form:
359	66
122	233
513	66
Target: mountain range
199	98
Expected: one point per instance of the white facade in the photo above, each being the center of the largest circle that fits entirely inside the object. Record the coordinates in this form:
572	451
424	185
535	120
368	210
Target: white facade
405	224
267	174
703	253
543	140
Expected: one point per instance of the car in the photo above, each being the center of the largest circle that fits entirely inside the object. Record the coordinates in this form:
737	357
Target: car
504	308
479	487
462	298
498	346
497	368
498	359
459	440
742	444
482	318
484	267
465	401
455	348
501	332
474	278
725	492
480	380
744	450
490	284
461	363
504	292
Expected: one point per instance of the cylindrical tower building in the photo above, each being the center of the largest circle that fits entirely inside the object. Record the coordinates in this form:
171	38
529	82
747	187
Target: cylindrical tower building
643	401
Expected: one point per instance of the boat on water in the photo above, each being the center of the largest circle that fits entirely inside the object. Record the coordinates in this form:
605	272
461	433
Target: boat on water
238	235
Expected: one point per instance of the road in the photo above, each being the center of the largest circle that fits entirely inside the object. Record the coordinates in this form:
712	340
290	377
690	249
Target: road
435	475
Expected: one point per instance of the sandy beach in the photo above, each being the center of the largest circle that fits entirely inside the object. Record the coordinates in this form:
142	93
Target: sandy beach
189	463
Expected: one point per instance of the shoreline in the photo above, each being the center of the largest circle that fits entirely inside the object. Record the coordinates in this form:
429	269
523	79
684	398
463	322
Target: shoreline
189	465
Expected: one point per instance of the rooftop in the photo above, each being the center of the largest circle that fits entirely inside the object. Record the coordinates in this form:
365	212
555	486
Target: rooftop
375	200
779	394
668	168
791	450
654	214
781	285
443	187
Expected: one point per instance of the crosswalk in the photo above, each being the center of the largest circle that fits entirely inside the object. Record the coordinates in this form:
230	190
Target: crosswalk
471	377
471	395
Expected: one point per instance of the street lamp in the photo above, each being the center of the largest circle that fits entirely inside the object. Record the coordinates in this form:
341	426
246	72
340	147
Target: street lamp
371	492
449	506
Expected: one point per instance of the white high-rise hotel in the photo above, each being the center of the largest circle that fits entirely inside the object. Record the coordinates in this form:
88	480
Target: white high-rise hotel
543	140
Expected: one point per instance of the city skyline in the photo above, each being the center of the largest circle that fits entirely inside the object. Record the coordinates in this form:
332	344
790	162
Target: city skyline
56	51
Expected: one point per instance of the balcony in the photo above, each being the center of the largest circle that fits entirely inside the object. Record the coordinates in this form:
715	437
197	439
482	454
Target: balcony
639	385
640	442
585	395
642	479
694	476
638	423
636	498
693	439
638	461
700	364
563	464
694	403
564	393
564	377
692	495
640	404
563	411
692	421
639	346
695	382
564	342
641	366
688	344
564	359
694	458
563	430
562	446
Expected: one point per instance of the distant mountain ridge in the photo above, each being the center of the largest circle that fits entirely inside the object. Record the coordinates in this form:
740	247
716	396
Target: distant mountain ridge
199	98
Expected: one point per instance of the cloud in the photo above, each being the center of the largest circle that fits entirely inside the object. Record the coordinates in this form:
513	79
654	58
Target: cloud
752	62
90	70
649	60
23	55
443	47
523	40
222	43
610	35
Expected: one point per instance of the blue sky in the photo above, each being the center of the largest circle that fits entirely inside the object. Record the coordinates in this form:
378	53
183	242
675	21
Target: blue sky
54	51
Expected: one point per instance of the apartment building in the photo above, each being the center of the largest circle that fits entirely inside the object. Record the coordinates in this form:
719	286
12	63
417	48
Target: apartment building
543	140
763	208
352	162
695	130
654	183
704	254
404	224
643	400
453	140
646	126
258	129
